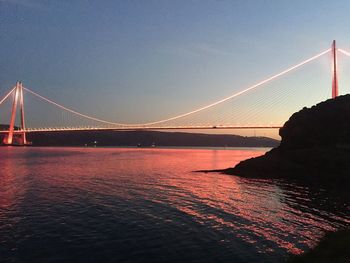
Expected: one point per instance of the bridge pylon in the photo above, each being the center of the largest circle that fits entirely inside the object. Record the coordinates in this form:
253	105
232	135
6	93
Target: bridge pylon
334	69
18	137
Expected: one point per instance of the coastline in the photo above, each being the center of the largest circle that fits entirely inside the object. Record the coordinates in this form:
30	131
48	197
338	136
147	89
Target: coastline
315	152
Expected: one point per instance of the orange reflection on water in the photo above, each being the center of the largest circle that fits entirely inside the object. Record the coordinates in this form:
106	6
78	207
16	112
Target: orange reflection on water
13	180
258	212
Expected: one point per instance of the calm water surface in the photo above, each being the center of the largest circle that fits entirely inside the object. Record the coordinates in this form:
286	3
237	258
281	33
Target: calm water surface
146	205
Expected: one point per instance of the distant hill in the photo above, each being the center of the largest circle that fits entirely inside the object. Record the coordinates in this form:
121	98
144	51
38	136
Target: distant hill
5	127
146	139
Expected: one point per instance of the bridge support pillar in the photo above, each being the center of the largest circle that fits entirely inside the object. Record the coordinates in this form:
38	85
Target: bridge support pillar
334	69
23	125
9	139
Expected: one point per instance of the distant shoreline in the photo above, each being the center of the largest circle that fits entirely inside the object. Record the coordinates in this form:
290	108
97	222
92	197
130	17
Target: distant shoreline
146	139
157	147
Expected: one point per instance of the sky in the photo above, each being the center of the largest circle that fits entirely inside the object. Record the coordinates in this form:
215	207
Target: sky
135	61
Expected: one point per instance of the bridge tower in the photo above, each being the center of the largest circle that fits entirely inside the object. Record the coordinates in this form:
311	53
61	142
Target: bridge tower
21	139
334	69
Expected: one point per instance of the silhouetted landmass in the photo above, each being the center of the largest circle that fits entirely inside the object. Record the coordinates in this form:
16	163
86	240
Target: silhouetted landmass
4	127
315	148
145	139
334	247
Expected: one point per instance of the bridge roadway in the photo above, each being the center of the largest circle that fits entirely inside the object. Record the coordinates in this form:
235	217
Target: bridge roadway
128	128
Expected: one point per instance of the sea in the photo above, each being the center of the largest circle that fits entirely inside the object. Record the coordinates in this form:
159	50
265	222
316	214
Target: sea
152	205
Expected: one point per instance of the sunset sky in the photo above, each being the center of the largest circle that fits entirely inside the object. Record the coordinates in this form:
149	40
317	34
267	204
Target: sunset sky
147	60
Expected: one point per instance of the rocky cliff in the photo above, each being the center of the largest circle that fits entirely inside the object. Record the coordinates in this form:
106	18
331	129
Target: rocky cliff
315	147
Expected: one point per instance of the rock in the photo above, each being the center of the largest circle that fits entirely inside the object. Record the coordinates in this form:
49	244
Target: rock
315	147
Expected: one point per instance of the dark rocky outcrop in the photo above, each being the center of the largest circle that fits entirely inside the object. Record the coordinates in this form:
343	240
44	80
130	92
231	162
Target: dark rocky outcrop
315	147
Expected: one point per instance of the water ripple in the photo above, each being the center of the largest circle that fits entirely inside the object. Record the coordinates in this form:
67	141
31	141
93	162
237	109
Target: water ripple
137	205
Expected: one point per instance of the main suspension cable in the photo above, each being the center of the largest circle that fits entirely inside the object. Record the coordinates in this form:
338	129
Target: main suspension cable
193	111
7	95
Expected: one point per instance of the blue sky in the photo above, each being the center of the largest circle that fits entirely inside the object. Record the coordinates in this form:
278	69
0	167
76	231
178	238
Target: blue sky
145	60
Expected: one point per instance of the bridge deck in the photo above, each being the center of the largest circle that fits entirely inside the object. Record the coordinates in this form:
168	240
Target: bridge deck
143	128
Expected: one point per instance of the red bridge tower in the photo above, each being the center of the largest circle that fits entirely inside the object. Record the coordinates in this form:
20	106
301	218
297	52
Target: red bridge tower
18	137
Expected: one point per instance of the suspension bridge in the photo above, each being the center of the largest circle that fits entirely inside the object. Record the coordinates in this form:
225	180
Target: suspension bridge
249	108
